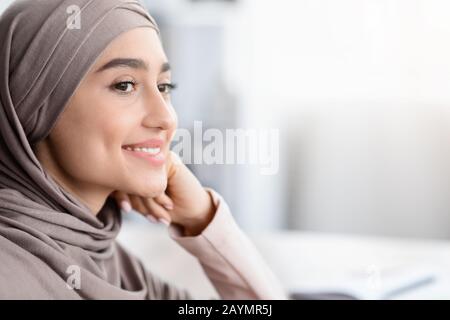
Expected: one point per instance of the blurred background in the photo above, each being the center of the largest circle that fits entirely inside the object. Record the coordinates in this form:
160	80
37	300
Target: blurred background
358	89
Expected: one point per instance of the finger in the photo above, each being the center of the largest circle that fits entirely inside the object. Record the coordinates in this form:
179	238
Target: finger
174	163
122	200
158	211
140	207
137	204
164	200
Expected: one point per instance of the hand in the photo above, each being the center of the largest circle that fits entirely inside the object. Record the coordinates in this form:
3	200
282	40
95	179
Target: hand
185	202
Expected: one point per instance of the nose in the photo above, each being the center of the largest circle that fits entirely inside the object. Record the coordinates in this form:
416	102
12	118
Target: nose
159	112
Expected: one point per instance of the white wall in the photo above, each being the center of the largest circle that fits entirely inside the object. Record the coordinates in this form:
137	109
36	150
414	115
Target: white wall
361	92
4	4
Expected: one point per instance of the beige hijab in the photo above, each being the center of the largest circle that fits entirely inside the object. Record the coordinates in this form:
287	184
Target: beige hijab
51	246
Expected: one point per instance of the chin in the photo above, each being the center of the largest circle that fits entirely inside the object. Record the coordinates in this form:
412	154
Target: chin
153	187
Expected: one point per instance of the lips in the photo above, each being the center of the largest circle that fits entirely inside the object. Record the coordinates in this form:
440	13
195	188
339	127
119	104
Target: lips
151	143
149	150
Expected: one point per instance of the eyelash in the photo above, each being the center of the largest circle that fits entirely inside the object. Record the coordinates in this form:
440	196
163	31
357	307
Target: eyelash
161	87
170	86
116	86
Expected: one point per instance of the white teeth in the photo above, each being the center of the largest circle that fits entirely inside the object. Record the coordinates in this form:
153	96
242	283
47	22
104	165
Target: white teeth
147	150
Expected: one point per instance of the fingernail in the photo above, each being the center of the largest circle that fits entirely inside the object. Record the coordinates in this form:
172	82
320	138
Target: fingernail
168	206
152	219
164	221
125	205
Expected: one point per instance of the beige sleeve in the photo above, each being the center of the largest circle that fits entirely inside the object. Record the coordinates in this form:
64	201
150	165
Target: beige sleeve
229	259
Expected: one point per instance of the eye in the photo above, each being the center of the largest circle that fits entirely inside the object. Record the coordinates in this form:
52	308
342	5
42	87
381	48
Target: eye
124	87
166	88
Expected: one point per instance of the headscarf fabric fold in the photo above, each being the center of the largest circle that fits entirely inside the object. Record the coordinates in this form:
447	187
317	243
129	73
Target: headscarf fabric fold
46	234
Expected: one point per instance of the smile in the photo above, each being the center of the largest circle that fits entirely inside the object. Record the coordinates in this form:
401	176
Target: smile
151	151
152	156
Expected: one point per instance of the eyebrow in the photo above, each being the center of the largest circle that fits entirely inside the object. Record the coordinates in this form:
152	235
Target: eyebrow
131	63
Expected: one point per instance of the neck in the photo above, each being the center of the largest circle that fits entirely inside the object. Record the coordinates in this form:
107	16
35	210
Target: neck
93	196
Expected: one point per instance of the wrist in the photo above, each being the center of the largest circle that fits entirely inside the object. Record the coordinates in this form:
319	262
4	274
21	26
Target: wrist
195	225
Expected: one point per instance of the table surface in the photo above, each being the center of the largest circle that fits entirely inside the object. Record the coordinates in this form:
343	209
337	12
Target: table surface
299	259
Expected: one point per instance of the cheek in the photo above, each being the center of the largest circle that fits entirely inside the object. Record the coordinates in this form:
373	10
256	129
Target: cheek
83	152
104	124
106	137
86	143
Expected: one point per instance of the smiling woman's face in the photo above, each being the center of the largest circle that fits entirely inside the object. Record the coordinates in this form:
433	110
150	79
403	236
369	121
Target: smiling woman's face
124	100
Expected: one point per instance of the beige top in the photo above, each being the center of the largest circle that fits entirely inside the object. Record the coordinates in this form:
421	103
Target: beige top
229	259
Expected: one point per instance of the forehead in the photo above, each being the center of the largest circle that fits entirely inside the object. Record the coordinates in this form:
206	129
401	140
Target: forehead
139	43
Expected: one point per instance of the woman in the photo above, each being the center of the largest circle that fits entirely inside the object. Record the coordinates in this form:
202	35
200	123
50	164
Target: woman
86	122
